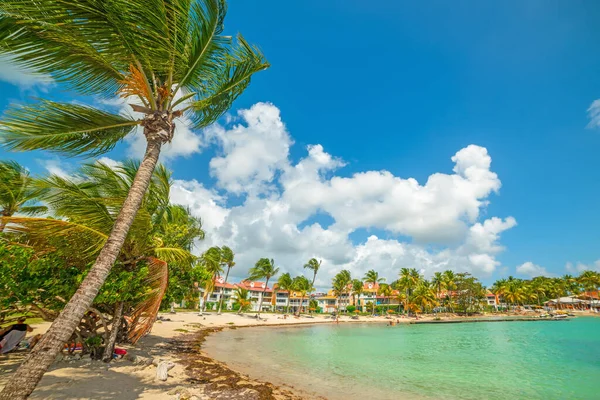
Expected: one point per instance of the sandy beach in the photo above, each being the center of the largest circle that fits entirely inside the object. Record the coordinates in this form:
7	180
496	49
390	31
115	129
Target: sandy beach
178	341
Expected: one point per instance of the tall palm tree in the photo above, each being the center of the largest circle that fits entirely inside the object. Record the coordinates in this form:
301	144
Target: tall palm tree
166	58
212	263
227	256
424	296
590	282
450	285
357	291
386	291
18	192
313	264
263	269
286	283
409	278
302	284
372	277
438	282
341	281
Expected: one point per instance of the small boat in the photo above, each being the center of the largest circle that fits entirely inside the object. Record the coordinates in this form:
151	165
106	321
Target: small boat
560	316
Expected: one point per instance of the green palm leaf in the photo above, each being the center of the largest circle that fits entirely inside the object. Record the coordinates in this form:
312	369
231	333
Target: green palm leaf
61	127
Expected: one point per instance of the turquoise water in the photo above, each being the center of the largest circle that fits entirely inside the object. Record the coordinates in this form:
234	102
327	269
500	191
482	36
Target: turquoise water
497	360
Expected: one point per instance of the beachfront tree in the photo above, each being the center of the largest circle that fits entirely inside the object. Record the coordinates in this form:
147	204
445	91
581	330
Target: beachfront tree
286	283
423	296
18	192
227	257
241	299
386	291
438	283
302	285
340	284
313	264
409	278
263	269
373	278
166	58
357	291
590	282
212	263
450	286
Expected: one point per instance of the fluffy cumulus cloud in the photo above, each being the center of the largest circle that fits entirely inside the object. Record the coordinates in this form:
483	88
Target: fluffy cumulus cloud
283	203
252	151
532	270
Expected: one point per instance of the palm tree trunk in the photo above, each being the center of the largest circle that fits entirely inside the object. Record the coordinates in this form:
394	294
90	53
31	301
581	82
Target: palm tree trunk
300	306
221	296
262	297
110	345
25	379
287	306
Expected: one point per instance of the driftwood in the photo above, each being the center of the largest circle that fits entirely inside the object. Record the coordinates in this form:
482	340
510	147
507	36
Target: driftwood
162	370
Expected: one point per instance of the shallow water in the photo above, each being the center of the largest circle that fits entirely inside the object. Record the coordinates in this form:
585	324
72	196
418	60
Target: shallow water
493	360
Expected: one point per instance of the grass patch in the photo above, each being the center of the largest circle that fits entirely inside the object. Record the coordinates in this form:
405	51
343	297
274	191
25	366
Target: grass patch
181	330
230	323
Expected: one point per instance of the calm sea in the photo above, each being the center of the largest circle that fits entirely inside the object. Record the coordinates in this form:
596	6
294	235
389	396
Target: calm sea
498	360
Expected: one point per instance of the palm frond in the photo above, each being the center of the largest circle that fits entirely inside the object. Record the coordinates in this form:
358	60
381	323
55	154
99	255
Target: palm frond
146	311
221	89
62	127
33	210
39	230
174	255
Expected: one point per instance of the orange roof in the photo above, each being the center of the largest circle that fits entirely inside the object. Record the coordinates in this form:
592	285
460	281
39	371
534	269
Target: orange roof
254	286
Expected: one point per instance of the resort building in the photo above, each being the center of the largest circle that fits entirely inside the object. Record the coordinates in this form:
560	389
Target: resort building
227	290
280	299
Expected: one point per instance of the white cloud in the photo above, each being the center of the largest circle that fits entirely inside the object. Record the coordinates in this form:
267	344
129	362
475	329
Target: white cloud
56	167
17	75
578	267
252	151
110	162
594	114
532	270
279	197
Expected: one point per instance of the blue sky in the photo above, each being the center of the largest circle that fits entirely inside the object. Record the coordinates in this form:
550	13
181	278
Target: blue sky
402	87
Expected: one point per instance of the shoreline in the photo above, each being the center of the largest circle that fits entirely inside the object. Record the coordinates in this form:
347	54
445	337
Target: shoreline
199	376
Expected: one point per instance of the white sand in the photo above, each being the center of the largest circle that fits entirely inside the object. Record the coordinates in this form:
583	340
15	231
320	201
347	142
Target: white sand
123	379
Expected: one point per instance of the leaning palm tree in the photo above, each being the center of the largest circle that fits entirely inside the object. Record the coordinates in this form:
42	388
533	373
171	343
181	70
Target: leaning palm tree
386	291
211	261
302	285
439	283
166	58
313	264
18	192
286	283
373	278
357	291
227	256
263	269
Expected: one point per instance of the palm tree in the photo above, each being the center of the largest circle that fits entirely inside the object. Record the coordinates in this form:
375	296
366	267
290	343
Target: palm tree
18	192
286	283
590	281
424	296
263	269
340	285
242	300
302	284
439	283
409	278
450	285
357	290
85	210
212	263
386	291
372	277
313	264
166	58
227	256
